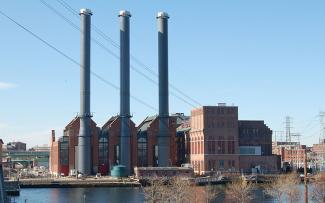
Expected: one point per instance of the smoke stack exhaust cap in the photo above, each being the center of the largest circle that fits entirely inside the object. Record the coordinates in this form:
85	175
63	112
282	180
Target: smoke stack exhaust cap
124	13
162	15
85	11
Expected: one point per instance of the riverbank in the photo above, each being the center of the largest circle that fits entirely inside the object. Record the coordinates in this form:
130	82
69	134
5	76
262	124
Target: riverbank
77	183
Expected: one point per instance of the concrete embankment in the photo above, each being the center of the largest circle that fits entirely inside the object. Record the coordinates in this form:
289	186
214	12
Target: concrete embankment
71	183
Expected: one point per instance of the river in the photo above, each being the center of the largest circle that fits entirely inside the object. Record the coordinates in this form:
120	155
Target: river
103	195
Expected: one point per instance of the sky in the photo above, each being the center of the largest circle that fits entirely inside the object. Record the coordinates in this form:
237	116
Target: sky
266	57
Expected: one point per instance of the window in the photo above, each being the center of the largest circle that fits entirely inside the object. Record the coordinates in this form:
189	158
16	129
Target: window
155	155
219	147
142	149
223	147
221	163
116	154
64	150
231	147
103	149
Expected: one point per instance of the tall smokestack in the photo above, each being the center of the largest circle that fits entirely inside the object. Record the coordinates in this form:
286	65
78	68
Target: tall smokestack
163	136
84	148
125	139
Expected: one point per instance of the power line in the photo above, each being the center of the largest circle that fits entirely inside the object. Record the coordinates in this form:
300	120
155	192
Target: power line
109	51
71	59
135	59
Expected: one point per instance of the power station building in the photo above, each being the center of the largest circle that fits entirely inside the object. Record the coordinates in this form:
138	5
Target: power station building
214	138
147	142
220	142
63	151
109	142
209	140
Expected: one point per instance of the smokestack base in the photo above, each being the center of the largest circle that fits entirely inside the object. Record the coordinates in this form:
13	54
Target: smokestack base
85	11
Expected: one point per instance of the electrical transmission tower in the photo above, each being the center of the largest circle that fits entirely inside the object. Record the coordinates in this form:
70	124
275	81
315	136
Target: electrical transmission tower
288	127
322	127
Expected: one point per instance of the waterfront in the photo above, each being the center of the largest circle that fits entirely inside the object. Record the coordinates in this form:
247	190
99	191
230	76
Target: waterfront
107	195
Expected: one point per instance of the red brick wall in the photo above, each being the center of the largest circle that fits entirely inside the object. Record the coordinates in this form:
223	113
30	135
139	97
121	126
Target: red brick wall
152	133
114	139
270	163
214	138
54	158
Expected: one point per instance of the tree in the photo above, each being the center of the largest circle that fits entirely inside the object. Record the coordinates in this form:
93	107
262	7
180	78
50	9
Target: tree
276	188
239	191
155	190
292	187
318	194
210	193
284	185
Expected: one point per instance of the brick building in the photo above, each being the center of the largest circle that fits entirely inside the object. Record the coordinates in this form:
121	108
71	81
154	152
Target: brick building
16	146
255	147
182	138
147	148
63	153
291	153
109	143
1	143
214	138
318	156
254	136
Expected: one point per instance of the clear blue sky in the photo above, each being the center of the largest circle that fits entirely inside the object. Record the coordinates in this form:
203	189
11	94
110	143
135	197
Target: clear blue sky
267	57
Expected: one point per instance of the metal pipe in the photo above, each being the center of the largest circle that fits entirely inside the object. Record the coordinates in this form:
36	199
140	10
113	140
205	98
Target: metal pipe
125	138
84	138
163	136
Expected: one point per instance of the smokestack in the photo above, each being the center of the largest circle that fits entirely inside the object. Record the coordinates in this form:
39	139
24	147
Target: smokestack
53	136
125	138
84	148
163	136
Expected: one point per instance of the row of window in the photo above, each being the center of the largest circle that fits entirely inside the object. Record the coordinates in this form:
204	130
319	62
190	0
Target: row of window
213	165
213	147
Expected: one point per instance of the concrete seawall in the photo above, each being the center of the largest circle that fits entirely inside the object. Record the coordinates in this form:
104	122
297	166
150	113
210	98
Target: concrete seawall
74	183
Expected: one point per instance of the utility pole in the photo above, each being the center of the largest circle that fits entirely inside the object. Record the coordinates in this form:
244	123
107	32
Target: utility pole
305	177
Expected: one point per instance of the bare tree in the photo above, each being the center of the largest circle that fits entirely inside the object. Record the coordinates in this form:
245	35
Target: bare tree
318	194
284	185
292	187
210	193
177	190
276	188
239	191
155	191
180	190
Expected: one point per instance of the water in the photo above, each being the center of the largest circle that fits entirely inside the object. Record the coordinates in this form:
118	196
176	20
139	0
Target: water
105	195
87	195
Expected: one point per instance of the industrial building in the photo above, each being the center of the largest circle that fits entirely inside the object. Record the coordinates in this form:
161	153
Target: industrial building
292	153
85	148
214	138
1	143
147	142
255	147
109	145
15	146
318	155
64	156
219	142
